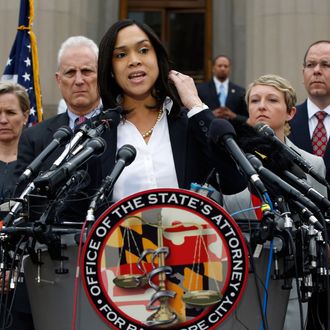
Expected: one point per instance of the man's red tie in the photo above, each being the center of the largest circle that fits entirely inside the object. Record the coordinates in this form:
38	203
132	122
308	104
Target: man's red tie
319	138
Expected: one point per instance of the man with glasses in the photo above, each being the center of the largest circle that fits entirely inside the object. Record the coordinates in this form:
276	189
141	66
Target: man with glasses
310	127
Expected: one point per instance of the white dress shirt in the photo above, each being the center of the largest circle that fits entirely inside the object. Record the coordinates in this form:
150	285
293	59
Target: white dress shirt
154	165
225	84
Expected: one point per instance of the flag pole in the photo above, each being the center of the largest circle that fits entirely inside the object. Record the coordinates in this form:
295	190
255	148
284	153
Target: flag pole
22	65
35	63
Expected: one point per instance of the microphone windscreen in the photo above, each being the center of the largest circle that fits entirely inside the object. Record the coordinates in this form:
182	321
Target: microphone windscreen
219	128
264	129
127	153
63	134
97	144
271	154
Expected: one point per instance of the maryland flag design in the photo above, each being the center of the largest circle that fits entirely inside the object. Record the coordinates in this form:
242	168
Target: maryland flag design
196	256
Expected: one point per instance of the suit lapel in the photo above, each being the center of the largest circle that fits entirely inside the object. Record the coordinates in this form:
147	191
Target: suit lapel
326	155
230	94
178	136
59	121
303	129
213	93
109	157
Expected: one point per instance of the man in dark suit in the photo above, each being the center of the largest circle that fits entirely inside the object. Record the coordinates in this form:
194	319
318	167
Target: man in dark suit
316	73
225	98
76	79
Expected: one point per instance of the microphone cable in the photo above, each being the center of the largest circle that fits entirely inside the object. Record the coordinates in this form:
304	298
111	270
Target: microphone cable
256	279
4	305
265	297
264	321
77	276
293	247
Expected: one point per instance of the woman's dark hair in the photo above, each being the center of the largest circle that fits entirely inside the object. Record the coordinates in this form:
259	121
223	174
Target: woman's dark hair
107	84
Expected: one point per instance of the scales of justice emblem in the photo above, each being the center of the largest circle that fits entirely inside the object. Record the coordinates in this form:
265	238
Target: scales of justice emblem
164	258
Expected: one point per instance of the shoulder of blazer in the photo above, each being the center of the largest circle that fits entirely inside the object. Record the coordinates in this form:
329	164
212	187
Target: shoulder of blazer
56	121
205	85
238	88
301	108
301	114
47	126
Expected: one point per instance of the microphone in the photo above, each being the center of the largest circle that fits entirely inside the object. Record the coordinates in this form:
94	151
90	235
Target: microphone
307	215
92	128
79	134
275	181
48	182
125	156
267	131
309	191
222	132
10	217
60	137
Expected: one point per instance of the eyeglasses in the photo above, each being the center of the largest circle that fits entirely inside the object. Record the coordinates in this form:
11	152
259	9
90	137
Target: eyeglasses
312	64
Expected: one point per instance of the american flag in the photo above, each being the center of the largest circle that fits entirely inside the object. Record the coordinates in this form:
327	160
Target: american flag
22	65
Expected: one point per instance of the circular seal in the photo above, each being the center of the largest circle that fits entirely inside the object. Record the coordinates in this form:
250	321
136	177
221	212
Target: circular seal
164	258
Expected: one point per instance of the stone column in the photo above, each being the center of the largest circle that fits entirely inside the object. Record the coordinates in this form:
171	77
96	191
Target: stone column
278	33
229	34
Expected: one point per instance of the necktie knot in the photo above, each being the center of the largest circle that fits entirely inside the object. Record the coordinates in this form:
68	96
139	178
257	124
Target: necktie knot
320	115
79	120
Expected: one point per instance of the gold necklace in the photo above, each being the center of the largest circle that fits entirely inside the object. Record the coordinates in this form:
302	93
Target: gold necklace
148	133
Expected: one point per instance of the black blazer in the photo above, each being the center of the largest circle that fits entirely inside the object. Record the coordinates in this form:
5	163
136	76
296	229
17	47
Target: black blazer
300	135
35	139
191	152
235	99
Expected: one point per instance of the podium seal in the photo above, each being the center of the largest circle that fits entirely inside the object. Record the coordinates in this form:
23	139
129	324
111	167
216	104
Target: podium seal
164	258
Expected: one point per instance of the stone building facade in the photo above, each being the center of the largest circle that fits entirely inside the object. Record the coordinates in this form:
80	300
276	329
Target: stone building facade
261	36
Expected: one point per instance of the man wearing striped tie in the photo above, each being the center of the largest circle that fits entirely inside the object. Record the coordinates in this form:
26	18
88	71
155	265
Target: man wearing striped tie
310	130
312	121
76	78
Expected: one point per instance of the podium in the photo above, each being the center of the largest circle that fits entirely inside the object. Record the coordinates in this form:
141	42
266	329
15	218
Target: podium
203	283
52	298
247	314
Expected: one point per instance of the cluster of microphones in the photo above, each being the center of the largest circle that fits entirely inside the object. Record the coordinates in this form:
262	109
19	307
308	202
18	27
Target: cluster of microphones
298	215
304	206
291	186
79	146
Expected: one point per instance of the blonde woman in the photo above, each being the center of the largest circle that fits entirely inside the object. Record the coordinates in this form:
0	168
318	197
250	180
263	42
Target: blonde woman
271	100
14	113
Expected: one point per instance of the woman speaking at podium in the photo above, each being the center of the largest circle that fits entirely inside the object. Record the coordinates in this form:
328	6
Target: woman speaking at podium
171	140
